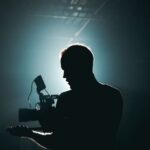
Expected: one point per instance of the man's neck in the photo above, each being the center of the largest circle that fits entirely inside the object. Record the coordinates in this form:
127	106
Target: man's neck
87	83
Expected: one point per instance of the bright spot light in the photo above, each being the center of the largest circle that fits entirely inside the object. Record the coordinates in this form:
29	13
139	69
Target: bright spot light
79	8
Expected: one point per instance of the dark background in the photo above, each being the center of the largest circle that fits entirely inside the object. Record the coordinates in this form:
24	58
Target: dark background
32	32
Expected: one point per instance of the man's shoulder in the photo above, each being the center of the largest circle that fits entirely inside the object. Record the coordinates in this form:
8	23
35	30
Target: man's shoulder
108	91
65	94
113	94
64	98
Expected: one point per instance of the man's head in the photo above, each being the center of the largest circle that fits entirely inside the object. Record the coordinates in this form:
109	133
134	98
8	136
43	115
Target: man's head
77	63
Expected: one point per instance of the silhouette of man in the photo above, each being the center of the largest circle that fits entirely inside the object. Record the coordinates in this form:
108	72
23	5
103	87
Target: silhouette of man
88	115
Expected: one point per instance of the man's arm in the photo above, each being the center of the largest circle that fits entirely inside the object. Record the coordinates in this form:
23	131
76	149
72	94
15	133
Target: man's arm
43	140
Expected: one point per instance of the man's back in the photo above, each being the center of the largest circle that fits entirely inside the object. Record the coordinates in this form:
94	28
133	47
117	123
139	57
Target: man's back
90	117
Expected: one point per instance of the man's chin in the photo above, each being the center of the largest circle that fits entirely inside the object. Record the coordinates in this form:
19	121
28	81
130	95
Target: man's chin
74	87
